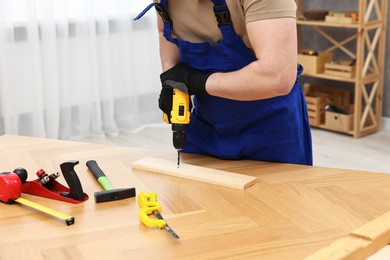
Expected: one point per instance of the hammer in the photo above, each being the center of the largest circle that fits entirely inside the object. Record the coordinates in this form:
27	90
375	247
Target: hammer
109	194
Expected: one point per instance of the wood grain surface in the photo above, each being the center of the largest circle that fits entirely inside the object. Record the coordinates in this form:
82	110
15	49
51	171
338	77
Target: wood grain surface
291	212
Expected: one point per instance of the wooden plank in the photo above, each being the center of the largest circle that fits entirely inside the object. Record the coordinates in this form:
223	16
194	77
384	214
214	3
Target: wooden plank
195	173
359	244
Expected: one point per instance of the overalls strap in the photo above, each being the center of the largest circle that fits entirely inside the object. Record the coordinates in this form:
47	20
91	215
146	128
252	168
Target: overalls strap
223	17
162	11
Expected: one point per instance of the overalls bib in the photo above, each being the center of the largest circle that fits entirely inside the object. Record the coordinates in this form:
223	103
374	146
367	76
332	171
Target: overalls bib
275	129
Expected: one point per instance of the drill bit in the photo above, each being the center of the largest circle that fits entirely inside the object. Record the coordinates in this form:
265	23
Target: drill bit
178	158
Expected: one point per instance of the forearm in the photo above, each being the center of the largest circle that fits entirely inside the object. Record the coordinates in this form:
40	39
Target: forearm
253	82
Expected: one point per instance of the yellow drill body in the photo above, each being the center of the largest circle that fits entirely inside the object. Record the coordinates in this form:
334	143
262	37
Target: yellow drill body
180	113
179	118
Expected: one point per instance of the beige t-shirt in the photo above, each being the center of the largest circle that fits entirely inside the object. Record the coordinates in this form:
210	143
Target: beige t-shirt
194	20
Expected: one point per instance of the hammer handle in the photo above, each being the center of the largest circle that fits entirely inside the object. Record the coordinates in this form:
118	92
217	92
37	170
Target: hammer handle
99	174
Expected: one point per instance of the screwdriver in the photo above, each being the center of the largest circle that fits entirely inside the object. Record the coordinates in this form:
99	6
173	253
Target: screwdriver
149	205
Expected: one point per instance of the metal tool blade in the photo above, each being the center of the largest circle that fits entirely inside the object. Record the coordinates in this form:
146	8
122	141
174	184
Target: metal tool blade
167	228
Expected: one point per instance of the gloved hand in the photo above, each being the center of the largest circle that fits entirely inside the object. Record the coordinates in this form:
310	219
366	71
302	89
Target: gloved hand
165	101
186	79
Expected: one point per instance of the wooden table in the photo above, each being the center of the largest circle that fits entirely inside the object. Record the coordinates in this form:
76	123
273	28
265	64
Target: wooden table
291	212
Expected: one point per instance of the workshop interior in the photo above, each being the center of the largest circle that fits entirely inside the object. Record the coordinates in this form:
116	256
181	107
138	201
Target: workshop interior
91	168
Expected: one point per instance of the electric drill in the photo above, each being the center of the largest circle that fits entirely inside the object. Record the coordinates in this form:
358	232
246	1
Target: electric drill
179	118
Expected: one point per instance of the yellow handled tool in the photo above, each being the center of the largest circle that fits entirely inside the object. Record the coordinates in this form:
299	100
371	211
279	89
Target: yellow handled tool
149	205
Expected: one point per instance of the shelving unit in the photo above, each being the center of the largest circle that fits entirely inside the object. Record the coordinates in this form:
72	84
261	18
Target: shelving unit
369	33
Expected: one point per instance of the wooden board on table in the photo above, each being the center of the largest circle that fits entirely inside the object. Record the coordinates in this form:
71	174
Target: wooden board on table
359	244
195	173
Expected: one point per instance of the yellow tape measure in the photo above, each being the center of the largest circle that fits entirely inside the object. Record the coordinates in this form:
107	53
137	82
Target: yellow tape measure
68	219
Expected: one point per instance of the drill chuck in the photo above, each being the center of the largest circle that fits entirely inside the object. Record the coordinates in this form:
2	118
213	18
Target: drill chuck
179	135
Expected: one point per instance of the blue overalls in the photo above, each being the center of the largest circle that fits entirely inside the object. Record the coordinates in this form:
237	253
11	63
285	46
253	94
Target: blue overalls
275	129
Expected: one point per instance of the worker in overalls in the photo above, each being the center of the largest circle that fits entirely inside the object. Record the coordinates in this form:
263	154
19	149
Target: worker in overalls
239	61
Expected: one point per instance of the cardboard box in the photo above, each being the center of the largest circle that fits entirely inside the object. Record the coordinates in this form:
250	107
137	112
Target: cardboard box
314	64
339	122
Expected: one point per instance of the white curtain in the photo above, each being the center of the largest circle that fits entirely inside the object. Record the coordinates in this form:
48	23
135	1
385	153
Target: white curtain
75	68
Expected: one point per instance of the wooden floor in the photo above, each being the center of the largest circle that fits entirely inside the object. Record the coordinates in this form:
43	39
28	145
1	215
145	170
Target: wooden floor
330	149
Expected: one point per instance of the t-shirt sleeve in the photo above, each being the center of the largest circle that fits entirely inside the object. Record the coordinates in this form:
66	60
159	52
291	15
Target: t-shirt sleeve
255	10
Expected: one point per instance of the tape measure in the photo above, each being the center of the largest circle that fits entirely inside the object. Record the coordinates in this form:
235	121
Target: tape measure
69	220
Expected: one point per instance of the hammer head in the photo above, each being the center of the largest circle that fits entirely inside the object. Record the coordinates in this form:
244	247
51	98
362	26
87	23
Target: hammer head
114	194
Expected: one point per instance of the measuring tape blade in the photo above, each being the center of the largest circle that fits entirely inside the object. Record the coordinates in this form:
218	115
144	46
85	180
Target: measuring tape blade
68	219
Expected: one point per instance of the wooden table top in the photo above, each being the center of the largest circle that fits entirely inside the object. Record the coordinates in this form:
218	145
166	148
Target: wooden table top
291	211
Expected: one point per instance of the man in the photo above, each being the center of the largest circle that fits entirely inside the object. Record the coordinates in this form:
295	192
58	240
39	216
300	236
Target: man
239	60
